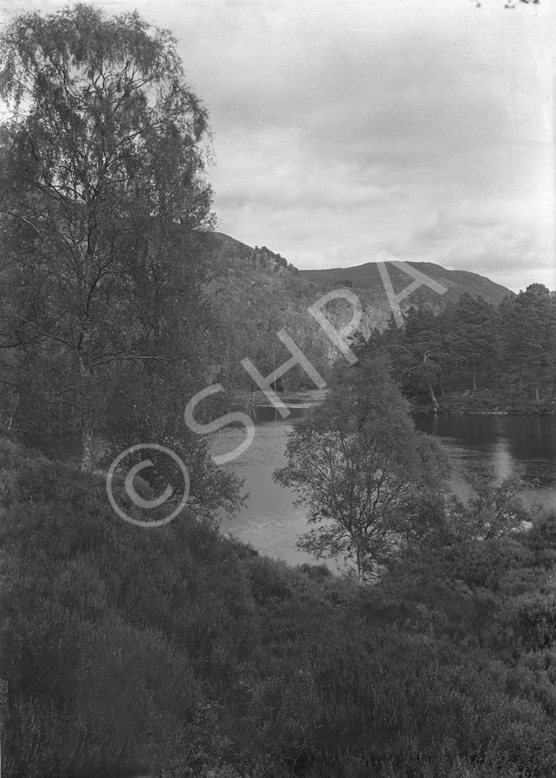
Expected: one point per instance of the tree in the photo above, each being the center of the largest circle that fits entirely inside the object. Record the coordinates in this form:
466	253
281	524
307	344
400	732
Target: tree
475	341
529	338
425	351
417	351
493	511
105	215
372	483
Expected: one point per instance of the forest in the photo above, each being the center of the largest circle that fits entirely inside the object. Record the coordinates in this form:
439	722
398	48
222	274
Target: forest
175	651
476	356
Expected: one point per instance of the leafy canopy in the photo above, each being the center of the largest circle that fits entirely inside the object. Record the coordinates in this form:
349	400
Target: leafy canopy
372	483
104	212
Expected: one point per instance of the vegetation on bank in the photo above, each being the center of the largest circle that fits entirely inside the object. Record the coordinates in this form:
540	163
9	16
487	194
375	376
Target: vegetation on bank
183	652
473	356
372	485
488	402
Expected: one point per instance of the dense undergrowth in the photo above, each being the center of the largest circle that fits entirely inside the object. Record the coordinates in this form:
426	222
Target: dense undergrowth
183	651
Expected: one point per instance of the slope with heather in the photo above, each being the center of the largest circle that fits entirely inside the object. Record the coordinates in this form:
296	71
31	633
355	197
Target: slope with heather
179	651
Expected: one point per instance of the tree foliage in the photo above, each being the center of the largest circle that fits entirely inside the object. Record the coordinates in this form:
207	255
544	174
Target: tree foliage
104	213
494	510
529	337
472	345
371	482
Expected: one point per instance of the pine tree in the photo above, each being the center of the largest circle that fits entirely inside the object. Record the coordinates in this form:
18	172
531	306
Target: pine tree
529	338
475	334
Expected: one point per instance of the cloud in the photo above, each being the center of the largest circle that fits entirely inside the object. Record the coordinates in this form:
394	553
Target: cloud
503	239
349	141
344	128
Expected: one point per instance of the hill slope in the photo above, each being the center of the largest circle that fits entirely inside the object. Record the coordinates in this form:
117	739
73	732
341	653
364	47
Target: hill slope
256	293
368	277
177	652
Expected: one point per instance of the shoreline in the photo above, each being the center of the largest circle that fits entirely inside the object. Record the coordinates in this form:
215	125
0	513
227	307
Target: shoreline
421	411
453	405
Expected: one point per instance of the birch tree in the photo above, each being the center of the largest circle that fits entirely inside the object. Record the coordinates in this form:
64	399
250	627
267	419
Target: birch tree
372	484
104	209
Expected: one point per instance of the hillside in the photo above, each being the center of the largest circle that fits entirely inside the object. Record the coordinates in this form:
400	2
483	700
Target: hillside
257	292
182	654
367	277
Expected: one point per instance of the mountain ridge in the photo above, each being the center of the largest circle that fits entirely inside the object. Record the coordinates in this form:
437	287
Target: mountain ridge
367	277
257	293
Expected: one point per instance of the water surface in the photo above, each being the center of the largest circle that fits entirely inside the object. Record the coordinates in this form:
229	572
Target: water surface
505	445
269	520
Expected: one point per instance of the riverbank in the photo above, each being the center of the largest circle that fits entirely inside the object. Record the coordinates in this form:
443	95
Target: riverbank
304	398
487	402
481	402
176	651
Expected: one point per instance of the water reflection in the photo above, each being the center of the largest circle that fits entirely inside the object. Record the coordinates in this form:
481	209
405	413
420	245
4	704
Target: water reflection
505	445
514	444
502	461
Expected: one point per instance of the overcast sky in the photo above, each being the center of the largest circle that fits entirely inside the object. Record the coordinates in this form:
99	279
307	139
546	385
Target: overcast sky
345	127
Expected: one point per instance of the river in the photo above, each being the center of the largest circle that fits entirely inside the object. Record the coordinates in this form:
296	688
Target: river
505	445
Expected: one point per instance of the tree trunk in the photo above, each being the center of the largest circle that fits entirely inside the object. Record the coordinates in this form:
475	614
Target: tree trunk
435	405
474	377
11	419
441	385
87	432
359	566
87	419
537	394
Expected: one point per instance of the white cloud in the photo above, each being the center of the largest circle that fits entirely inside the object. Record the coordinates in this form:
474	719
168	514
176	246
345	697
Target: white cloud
343	128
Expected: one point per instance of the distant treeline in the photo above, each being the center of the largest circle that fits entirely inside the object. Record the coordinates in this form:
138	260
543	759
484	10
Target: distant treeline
504	354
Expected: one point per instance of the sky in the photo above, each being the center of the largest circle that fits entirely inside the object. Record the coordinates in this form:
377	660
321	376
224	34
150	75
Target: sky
340	129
